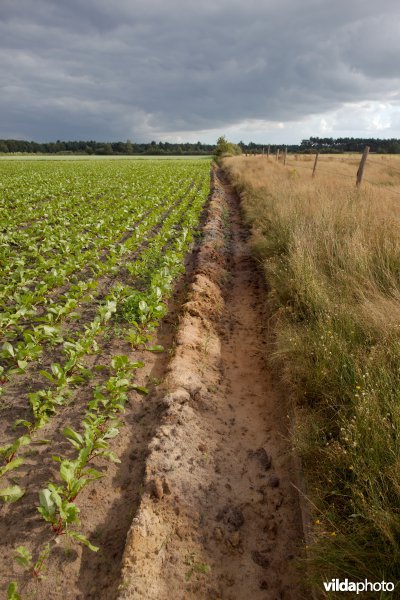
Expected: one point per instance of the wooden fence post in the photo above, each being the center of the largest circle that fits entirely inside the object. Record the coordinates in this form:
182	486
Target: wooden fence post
361	168
268	150
277	154
284	156
315	164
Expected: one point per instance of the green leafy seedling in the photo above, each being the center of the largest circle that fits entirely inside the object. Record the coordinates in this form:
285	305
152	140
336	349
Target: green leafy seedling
195	567
12	591
157	348
58	375
11	465
140	389
56	510
43	403
136	338
121	363
79	537
24	558
11	494
8	452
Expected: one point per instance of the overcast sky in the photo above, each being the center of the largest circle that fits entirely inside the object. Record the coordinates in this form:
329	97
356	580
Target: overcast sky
182	70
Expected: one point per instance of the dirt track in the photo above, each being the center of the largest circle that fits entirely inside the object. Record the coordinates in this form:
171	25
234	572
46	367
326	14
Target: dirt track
219	518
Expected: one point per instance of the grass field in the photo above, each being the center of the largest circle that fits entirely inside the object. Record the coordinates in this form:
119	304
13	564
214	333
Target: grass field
89	254
331	256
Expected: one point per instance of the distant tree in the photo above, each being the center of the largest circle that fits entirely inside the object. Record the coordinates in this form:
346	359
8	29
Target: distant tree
225	148
104	149
119	147
58	146
394	147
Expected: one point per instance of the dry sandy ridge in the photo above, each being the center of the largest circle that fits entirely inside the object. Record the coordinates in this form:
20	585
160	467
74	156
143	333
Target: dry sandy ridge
219	518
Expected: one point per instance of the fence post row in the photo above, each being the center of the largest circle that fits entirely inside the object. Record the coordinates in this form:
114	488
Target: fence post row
360	171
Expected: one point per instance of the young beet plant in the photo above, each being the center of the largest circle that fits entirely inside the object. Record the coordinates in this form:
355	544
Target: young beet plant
93	442
57	505
140	308
57	510
44	404
109	399
25	560
17	357
12	591
7	453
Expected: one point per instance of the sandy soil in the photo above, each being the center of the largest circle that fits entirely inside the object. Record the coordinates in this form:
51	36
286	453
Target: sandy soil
220	518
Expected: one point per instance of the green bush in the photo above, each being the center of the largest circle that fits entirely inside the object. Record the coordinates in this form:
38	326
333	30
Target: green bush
225	148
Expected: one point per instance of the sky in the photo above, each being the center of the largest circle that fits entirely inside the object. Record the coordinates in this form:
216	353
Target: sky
269	71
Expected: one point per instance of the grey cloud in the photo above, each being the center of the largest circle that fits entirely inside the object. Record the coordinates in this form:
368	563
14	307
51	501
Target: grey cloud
135	68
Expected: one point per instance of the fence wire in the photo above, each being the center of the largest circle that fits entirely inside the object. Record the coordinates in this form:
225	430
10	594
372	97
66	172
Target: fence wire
322	167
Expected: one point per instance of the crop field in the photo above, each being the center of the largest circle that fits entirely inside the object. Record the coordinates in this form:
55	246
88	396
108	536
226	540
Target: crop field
89	252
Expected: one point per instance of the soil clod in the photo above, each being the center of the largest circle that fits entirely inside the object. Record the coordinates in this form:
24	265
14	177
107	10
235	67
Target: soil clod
263	457
273	481
260	559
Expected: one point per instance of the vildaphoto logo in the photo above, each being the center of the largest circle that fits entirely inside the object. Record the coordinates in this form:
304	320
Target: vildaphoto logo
344	585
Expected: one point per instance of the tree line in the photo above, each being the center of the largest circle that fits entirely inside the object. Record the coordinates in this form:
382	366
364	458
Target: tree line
329	145
311	145
105	148
387	146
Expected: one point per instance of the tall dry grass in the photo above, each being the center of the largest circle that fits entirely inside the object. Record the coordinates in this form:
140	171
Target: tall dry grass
331	256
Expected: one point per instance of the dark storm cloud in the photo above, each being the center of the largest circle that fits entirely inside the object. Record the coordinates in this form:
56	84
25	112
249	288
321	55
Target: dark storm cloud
135	68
